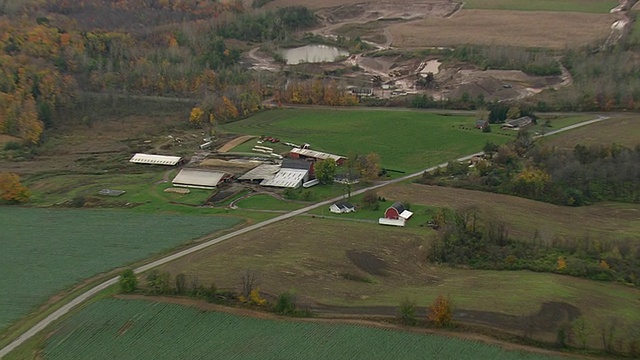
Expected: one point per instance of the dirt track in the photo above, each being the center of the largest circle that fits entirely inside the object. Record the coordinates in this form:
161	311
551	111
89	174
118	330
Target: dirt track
235	142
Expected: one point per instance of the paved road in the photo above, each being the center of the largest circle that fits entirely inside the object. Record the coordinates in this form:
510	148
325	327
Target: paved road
93	291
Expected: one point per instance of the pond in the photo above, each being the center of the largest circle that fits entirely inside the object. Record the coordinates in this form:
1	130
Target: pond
312	54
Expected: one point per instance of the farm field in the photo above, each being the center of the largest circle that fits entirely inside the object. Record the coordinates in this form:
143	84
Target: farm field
524	216
555	30
361	268
405	140
590	6
114	328
622	130
45	251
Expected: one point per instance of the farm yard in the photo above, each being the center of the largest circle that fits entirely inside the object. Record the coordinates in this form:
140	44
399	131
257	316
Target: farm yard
142	329
46	251
487	27
358	268
426	138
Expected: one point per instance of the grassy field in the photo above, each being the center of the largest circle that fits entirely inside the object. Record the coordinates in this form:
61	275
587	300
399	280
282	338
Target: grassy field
590	6
405	140
622	130
524	217
486	27
142	329
45	251
266	202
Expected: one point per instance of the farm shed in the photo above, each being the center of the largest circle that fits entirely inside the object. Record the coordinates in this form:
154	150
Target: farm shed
342	207
298	153
395	215
481	124
392	222
151	159
518	123
287	178
200	179
261	172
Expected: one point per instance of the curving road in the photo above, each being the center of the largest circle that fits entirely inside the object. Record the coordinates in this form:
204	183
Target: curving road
93	291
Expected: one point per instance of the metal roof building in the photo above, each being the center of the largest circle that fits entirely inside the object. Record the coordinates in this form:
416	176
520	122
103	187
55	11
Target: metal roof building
200	179
140	158
307	153
287	178
262	172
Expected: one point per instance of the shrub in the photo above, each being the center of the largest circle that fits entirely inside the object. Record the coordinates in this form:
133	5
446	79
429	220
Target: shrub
128	281
407	312
286	304
441	312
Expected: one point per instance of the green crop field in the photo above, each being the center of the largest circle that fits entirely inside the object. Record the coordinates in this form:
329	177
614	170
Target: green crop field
138	329
405	140
45	251
590	6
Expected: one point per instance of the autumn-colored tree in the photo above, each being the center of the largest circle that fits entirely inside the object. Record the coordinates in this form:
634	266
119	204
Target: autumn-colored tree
11	190
562	263
196	116
441	312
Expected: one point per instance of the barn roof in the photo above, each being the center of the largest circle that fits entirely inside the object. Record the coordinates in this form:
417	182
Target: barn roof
398	206
140	158
344	205
316	154
296	164
286	178
264	171
196	178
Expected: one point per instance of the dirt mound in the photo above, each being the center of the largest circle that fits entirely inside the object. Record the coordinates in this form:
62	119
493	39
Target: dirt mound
367	262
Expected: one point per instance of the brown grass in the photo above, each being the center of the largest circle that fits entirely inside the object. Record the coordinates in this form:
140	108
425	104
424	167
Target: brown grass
623	130
517	28
524	216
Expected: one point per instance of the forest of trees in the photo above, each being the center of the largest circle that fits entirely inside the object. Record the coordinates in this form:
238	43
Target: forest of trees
471	237
579	177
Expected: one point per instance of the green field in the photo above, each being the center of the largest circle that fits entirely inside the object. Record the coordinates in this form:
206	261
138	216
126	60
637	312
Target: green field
137	329
266	202
45	251
590	6
405	140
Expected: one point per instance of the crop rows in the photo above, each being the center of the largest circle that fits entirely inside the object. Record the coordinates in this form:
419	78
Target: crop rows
45	251
137	329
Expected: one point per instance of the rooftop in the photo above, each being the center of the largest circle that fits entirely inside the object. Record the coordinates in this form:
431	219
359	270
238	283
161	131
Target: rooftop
316	154
140	158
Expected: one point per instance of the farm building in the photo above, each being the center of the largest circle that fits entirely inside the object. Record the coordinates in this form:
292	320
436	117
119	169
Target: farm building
261	172
293	173
395	215
313	155
362	91
517	124
342	207
151	159
200	179
481	124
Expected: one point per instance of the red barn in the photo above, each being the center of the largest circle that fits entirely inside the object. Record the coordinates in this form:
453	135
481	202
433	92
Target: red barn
394	211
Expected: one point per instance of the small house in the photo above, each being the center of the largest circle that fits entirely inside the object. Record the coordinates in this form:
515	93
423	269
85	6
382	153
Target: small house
341	207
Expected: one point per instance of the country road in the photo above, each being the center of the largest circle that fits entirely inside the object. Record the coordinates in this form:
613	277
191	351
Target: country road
93	291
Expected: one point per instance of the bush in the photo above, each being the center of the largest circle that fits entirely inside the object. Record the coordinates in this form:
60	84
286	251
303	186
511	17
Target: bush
12	145
441	312
128	281
286	304
407	312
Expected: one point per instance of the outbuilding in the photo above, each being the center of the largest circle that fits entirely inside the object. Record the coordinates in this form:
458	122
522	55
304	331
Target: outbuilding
152	159
199	179
395	215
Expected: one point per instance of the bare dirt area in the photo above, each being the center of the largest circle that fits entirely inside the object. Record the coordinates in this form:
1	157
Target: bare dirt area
623	130
527	218
516	28
235	142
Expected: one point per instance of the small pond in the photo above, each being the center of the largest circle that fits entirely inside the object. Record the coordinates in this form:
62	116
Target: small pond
312	54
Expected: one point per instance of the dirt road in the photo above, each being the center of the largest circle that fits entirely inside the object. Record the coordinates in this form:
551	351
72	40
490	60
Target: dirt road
41	325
